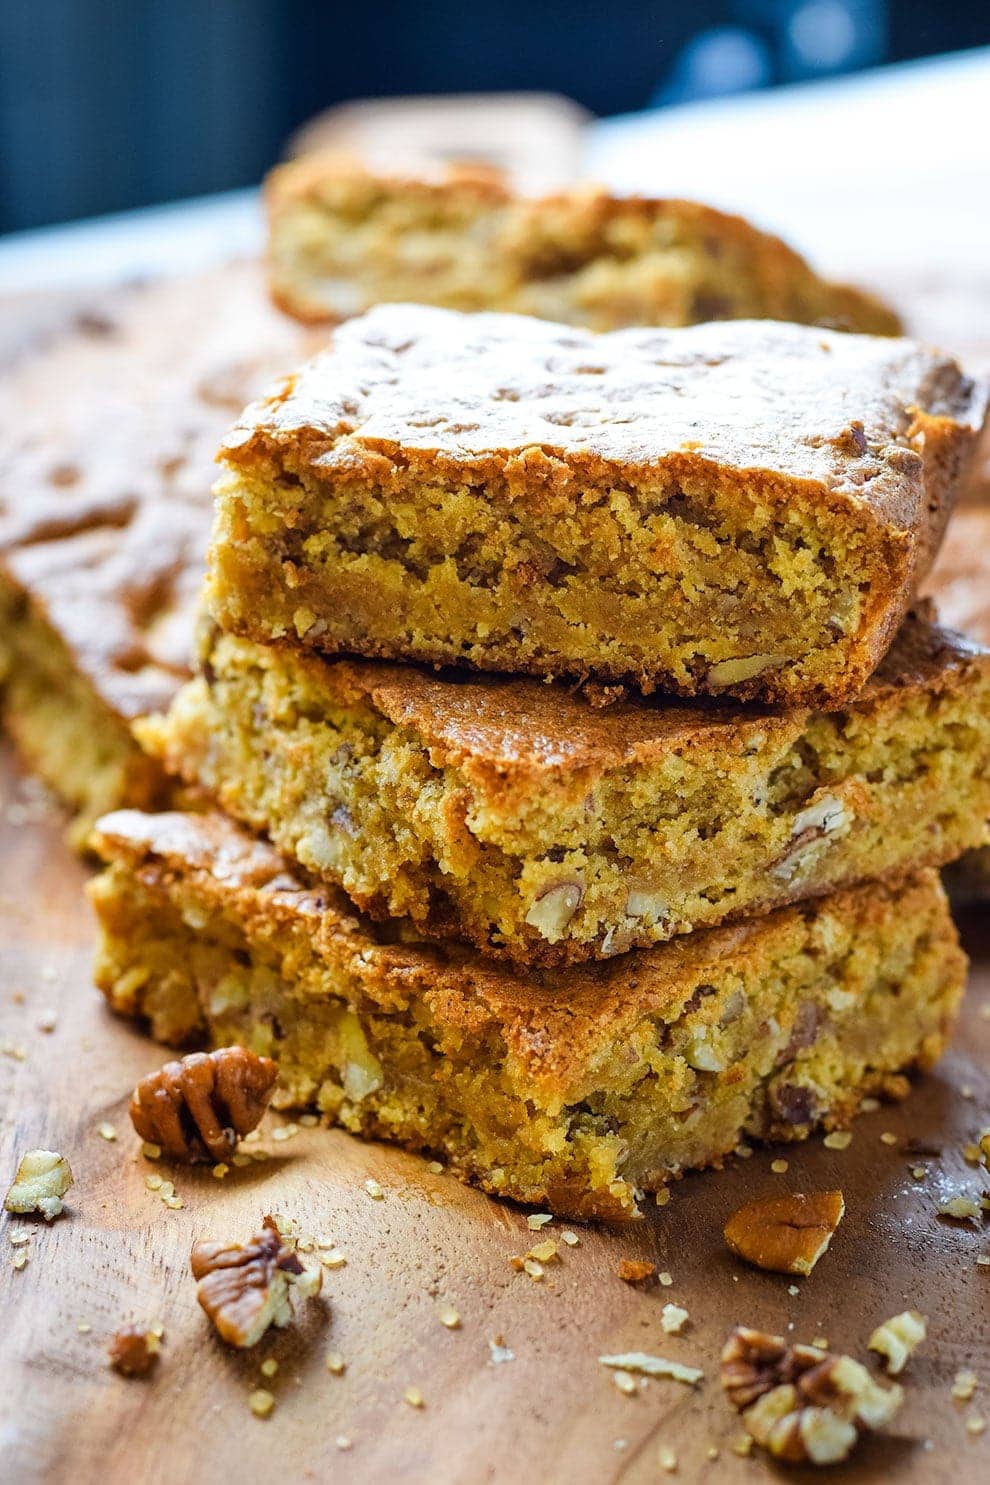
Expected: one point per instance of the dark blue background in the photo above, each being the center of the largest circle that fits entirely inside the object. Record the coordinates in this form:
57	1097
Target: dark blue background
106	104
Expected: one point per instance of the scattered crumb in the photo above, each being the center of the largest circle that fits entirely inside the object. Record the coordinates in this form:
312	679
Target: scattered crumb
533	1267
919	1172
261	1402
333	1259
888	1138
667	1459
636	1270
449	1317
673	1319
743	1446
413	1397
269	1367
838	1139
663	1196
83	1327
625	1383
151	1151
779	1167
536	1220
106	1132
219	1171
961	1209
821	1341
153	1183
793	1289
342	1441
336	1364
47	1021
964	1385
975	1425
869	1105
544	1252
18	1239
374	1190
653	1366
570	1238
20	1261
744	1151
434	1167
308	1121
133	1351
499	1353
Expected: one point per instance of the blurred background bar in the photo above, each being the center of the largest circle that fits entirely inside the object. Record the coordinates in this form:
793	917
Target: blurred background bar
112	104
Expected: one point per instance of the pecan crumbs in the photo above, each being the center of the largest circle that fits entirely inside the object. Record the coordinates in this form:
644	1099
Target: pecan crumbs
244	1287
133	1352
787	1234
197	1108
802	1404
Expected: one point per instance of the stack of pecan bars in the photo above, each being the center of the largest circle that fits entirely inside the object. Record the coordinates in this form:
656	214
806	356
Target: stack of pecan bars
584	768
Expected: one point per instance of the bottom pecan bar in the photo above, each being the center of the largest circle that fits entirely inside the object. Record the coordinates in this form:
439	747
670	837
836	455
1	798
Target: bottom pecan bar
575	1089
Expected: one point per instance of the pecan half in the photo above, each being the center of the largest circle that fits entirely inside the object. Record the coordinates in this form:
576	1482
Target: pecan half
198	1108
244	1287
802	1404
133	1351
787	1234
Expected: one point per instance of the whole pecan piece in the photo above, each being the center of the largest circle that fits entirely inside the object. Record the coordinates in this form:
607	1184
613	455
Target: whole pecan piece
198	1108
802	1404
244	1287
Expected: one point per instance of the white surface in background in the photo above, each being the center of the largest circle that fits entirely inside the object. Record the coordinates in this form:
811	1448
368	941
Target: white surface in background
868	174
878	170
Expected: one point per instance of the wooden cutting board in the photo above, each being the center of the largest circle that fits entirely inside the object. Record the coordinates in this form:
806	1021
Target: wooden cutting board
552	1413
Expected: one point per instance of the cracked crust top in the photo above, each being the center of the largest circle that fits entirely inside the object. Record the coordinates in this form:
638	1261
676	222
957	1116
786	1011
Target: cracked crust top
111	435
552	1023
776	408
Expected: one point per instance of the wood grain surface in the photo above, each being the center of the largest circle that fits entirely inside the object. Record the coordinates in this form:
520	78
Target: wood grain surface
551	1414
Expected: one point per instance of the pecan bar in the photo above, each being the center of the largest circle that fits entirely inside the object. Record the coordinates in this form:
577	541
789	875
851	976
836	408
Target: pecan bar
543	829
738	509
104	519
343	237
573	1090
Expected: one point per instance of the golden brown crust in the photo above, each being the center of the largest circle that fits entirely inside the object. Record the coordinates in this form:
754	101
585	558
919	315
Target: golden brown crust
787	409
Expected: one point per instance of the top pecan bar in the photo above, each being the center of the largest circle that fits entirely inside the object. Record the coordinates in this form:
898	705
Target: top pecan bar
740	508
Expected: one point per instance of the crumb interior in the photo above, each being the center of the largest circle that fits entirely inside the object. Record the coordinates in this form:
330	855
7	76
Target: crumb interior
818	1008
351	243
583	861
698	587
66	734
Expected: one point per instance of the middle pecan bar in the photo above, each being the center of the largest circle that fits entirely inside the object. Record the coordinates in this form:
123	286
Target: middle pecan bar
517	816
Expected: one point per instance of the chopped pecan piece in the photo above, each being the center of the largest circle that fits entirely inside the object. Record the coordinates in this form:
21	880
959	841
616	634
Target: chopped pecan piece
133	1352
898	1338
787	1234
244	1287
43	1177
636	1270
802	1404
198	1108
